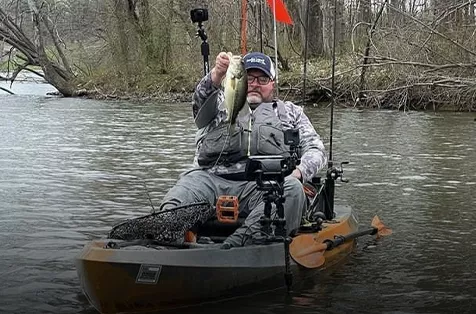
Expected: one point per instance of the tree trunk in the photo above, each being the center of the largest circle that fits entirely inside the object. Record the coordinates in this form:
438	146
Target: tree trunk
340	24
395	19
123	38
56	68
315	33
330	9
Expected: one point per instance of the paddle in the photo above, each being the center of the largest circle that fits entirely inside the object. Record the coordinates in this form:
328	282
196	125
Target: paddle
307	252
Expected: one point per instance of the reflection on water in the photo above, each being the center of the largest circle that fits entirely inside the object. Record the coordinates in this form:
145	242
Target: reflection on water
25	84
71	168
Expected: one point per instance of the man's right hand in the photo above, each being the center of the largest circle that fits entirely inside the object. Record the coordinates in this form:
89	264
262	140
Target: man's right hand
219	71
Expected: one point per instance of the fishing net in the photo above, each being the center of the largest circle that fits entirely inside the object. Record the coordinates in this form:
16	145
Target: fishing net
165	226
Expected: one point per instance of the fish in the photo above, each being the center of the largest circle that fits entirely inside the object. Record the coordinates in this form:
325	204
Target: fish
235	87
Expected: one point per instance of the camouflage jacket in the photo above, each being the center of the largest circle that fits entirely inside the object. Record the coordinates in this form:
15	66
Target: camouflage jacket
208	97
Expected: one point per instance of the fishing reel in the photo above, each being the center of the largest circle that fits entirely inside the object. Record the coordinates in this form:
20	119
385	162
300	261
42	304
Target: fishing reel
334	173
322	204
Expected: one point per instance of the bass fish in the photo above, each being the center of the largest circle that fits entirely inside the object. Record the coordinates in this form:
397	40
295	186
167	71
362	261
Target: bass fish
235	87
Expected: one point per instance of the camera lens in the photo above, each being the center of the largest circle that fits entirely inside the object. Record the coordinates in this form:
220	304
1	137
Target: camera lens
199	15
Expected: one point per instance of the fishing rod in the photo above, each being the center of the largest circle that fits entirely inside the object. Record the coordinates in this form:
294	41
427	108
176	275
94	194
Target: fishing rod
275	33
306	42
333	71
326	198
244	22
260	28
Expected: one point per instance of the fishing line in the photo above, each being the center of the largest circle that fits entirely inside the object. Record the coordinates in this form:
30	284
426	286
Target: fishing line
245	235
148	196
275	214
228	135
229	114
225	300
179	207
227	138
266	234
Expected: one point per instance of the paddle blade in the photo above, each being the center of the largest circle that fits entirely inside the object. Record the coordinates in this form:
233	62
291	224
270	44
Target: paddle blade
313	260
307	251
382	230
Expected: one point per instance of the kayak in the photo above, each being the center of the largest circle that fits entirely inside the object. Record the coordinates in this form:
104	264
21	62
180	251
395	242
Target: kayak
142	276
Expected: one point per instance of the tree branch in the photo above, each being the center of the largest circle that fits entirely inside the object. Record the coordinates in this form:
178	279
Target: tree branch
432	30
7	90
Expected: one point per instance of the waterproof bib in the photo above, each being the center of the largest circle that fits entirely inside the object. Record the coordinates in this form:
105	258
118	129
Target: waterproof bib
256	133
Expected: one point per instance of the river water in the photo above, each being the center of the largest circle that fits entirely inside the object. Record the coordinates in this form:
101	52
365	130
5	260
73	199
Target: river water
71	168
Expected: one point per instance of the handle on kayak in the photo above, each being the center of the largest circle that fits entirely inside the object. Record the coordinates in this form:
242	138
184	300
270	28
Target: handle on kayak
227	208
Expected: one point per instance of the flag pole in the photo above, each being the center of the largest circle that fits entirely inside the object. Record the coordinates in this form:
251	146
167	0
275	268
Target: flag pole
275	50
260	27
244	22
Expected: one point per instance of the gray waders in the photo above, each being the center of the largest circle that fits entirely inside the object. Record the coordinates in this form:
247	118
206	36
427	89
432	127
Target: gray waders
199	185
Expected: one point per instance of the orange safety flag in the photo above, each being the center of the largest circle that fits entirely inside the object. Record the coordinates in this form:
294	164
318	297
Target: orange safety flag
282	14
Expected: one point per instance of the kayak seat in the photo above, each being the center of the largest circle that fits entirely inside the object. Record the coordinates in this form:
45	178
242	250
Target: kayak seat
218	231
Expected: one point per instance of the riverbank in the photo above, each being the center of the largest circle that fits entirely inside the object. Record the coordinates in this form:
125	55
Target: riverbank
378	87
384	88
137	96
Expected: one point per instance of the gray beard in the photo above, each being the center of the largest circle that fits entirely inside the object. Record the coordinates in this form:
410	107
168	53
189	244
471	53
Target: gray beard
252	102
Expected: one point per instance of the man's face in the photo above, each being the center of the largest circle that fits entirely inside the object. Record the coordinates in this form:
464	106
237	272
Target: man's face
260	87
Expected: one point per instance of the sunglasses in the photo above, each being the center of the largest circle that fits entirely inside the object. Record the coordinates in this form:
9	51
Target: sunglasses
262	80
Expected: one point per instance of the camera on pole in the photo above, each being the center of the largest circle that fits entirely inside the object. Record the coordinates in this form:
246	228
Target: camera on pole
199	16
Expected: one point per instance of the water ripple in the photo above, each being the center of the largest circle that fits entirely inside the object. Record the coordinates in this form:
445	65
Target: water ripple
72	168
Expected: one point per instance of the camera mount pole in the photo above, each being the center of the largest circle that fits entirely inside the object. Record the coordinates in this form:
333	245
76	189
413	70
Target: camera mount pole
280	221
266	218
205	48
274	193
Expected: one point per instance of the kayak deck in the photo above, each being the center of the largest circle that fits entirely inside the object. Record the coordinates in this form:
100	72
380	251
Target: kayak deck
136	279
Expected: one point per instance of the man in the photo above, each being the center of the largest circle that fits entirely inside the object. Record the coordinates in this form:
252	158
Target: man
258	132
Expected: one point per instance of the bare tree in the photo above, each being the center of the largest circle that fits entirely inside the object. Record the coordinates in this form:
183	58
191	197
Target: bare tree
314	20
32	49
